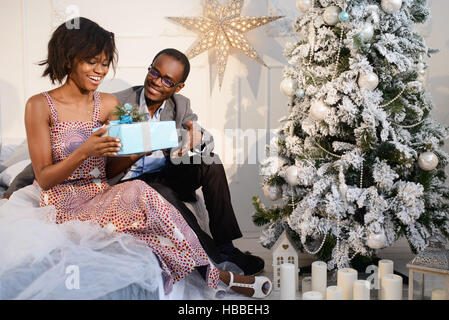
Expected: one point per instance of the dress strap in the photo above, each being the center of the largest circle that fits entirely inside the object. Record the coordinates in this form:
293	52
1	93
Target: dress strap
51	105
97	107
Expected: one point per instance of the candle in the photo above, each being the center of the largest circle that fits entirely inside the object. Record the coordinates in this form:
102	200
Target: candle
391	285
361	290
385	267
288	290
312	295
438	294
345	280
306	284
319	277
334	293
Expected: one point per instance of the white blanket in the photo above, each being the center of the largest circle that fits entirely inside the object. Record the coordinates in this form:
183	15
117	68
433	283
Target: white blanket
79	260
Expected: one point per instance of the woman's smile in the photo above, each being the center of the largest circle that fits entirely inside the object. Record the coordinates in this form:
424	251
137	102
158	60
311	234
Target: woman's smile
95	79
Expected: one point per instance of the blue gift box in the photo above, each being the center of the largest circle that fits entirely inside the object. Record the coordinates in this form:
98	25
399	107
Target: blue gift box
143	137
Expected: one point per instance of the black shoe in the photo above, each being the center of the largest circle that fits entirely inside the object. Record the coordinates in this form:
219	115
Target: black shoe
250	265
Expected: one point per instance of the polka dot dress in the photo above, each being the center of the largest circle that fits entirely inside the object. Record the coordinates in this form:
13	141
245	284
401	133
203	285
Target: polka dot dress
132	207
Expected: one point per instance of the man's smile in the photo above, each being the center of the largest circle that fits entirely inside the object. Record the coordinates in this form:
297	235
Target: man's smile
153	90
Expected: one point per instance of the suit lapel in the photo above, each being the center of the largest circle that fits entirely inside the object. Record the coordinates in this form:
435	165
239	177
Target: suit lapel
138	92
168	114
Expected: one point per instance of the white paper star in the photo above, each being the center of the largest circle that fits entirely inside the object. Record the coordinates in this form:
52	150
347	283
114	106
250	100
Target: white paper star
221	28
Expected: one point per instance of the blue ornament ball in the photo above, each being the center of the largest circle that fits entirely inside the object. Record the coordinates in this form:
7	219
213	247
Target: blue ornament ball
343	16
300	93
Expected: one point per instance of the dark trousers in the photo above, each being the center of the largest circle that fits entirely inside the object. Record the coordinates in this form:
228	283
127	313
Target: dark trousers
178	183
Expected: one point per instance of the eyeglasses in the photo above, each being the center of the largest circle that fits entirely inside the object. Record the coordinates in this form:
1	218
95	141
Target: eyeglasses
165	82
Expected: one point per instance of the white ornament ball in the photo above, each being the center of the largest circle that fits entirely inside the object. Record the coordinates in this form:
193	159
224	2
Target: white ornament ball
391	6
330	15
367	32
304	5
288	87
377	240
272	193
368	81
428	161
291	175
319	110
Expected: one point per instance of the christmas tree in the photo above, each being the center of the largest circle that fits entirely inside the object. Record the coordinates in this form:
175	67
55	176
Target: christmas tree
359	160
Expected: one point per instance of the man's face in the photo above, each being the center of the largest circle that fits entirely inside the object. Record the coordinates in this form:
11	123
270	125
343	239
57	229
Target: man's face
169	68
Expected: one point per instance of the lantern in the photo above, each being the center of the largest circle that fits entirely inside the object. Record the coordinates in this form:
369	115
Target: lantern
284	252
430	269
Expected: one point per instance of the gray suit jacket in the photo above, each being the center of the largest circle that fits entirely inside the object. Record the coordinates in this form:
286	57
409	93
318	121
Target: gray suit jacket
177	108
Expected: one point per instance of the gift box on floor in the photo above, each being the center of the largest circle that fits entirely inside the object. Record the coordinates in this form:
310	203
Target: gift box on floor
144	137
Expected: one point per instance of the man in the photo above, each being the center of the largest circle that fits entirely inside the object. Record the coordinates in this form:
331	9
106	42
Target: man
176	176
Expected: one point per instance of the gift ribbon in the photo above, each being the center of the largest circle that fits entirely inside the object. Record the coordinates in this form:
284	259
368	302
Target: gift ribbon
146	136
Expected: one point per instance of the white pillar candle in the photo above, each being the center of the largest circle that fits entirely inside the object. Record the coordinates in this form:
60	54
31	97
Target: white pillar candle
312	295
345	280
361	290
306	284
438	294
288	290
391	285
334	293
319	277
385	267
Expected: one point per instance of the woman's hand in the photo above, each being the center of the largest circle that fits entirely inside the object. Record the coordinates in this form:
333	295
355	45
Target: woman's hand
98	146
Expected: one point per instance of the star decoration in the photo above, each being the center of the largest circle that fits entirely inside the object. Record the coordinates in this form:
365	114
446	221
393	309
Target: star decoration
222	27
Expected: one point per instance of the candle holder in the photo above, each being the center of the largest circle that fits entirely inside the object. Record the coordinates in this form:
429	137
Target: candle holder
430	268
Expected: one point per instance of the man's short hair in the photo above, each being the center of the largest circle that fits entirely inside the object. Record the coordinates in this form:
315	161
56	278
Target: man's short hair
179	56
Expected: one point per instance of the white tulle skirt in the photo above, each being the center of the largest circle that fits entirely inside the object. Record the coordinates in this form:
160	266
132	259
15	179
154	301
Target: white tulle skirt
78	260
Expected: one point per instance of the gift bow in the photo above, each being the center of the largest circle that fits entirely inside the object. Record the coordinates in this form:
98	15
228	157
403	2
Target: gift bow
127	117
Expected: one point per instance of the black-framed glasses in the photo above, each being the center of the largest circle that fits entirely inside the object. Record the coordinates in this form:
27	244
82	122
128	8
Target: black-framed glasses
165	82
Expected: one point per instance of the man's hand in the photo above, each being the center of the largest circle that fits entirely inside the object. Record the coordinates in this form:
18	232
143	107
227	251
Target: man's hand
194	137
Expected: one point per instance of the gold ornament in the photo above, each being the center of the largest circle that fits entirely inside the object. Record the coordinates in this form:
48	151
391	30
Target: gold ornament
222	27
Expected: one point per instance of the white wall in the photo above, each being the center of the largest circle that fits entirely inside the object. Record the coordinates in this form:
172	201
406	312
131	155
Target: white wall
249	98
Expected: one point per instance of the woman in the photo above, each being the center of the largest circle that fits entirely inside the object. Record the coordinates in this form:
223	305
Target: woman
72	164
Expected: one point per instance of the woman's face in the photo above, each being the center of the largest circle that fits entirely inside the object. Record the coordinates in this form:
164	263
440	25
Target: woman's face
88	74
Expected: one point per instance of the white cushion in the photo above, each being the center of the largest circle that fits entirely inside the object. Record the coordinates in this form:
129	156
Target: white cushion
7	150
8	146
19	154
8	175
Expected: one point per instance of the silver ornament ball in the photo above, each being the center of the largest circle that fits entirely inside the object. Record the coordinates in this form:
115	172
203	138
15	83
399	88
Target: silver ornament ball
299	93
319	110
377	240
367	32
391	6
288	87
304	5
368	81
291	175
272	193
330	15
428	161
